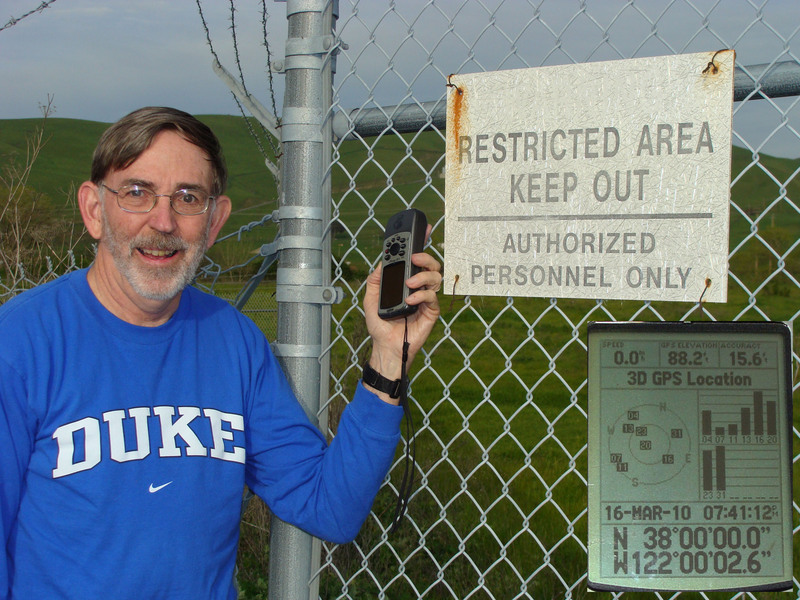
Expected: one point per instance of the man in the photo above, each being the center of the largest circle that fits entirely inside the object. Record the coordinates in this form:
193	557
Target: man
134	409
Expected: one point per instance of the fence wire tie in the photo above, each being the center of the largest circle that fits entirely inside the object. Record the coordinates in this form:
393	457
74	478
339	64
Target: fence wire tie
708	285
712	67
270	250
453	299
453	85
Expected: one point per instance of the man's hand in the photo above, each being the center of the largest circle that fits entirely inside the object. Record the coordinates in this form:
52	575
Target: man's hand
387	335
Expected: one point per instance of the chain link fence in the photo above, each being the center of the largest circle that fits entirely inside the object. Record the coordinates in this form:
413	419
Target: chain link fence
499	396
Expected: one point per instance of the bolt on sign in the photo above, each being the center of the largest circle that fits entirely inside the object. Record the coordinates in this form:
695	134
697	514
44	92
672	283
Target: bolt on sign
602	180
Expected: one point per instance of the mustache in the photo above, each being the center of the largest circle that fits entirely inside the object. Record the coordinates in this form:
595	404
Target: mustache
161	241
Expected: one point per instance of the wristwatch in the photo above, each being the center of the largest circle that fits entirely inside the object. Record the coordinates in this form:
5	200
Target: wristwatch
374	379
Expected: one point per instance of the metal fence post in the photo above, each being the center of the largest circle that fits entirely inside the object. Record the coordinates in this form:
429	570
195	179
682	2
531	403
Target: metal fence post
302	268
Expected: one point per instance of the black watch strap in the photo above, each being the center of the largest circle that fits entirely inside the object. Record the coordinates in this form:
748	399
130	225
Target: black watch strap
374	379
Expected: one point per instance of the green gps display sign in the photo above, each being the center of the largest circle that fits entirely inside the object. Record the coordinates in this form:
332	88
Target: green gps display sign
690	456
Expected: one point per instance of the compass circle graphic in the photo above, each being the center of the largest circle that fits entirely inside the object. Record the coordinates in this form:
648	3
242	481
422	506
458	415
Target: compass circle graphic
650	447
649	444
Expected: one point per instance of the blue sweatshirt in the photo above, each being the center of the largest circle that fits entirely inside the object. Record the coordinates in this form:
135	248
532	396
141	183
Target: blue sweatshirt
124	450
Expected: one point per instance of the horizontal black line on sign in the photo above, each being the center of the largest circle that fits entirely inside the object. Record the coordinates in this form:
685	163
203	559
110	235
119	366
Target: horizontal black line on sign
589	217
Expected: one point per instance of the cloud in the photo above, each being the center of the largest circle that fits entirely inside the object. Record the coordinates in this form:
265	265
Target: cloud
101	59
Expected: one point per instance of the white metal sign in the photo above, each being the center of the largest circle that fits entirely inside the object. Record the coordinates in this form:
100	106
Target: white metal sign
597	180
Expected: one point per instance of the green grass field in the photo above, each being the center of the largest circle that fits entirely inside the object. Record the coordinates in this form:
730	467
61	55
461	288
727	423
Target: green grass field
502	407
500	403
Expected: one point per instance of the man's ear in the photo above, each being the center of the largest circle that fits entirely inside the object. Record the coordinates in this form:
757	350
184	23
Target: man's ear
91	208
219	215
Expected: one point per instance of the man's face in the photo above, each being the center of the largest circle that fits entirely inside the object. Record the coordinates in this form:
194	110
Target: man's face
158	253
154	281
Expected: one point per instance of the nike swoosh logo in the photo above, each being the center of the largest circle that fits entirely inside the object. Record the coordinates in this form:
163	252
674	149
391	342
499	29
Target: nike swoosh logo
155	488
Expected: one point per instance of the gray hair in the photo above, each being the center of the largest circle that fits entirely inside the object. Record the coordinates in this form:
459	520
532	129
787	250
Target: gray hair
123	142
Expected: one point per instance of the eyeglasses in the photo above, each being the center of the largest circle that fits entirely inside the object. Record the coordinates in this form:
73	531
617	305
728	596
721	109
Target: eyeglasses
139	199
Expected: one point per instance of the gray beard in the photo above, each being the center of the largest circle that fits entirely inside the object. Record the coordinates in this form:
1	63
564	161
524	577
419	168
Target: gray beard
158	284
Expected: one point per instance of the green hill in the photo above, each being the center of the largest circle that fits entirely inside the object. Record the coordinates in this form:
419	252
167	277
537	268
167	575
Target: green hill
383	171
66	158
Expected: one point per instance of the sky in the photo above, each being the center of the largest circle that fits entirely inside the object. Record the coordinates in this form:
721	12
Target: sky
100	59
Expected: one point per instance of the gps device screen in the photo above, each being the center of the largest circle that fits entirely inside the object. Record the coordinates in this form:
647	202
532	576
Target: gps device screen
690	456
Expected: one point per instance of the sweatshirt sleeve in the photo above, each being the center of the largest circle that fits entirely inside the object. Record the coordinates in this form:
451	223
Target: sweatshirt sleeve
16	445
325	490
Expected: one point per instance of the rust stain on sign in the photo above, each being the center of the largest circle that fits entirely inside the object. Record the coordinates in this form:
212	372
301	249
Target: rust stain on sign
456	123
713	66
716	72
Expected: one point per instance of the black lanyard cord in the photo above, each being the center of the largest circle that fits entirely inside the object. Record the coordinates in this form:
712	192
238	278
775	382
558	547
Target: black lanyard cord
407	484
